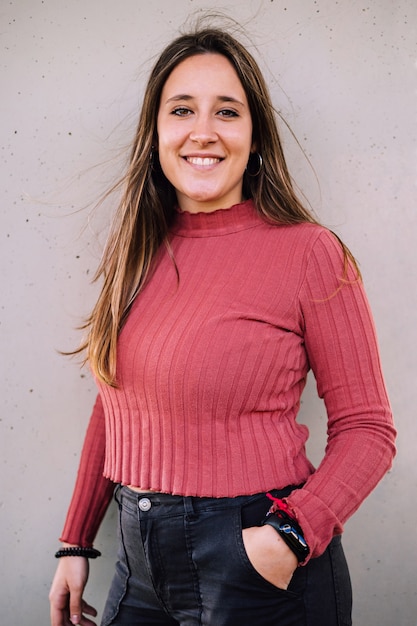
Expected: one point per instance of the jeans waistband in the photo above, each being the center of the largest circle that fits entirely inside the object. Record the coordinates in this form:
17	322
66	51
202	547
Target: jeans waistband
176	504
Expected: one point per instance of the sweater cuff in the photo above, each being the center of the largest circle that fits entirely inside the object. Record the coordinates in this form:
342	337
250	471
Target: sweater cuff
318	523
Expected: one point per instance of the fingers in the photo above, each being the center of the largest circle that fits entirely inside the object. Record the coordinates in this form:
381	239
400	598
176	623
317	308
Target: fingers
90	610
75	606
79	610
59	608
58	617
66	595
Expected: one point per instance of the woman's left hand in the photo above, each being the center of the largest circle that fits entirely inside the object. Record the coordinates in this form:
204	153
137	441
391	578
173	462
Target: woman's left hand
270	555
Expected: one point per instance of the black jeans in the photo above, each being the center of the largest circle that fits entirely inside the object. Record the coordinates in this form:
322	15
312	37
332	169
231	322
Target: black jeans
182	561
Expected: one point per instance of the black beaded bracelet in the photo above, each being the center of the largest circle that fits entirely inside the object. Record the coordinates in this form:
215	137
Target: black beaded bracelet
89	553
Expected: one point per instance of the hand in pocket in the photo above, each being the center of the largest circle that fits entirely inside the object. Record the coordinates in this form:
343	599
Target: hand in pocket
270	555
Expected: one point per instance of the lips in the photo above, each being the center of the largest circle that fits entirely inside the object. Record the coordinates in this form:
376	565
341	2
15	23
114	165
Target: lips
202	161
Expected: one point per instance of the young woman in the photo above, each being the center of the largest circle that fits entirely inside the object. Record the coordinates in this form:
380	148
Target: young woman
220	292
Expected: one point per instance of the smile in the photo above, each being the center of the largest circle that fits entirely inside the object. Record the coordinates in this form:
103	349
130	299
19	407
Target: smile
202	161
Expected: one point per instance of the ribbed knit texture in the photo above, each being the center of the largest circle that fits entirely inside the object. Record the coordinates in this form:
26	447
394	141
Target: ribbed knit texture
211	369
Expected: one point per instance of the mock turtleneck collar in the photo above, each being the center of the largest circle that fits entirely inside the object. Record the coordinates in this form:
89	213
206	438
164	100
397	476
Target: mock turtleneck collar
220	222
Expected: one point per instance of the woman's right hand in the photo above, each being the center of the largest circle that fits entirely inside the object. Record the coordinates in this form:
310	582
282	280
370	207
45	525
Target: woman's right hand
66	595
270	555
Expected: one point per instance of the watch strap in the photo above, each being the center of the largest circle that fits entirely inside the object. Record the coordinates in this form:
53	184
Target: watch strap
290	532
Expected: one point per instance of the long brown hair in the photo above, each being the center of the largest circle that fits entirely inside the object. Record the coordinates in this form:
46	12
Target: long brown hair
146	209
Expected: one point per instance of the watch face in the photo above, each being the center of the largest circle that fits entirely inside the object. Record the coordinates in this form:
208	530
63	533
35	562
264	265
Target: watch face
293	532
286	528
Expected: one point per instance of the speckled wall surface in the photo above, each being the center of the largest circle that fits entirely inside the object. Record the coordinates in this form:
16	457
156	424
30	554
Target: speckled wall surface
343	73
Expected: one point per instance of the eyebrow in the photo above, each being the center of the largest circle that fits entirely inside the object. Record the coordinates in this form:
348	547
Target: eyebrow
187	97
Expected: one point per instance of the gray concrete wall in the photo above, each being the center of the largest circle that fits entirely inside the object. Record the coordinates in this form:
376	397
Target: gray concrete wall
344	76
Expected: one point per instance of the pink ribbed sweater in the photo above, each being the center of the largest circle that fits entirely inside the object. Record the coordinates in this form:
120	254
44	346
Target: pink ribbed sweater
211	369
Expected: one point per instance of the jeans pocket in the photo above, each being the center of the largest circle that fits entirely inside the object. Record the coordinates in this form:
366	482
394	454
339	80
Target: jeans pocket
118	587
251	569
116	594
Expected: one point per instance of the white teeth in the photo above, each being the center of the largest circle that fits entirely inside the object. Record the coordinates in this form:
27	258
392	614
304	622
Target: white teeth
202	161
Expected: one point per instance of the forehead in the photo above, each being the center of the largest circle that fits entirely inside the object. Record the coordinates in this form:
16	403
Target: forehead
201	73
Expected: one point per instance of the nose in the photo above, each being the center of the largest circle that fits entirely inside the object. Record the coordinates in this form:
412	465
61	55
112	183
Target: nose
203	131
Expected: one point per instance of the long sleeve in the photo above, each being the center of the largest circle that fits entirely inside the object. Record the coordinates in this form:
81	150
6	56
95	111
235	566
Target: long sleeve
211	369
92	492
342	350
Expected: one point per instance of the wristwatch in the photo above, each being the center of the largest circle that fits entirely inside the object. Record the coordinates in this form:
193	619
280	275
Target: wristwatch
290	532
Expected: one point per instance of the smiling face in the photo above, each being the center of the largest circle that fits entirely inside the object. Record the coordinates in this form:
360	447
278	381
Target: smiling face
204	133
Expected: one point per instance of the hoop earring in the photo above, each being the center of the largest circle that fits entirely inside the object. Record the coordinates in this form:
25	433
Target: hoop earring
250	167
